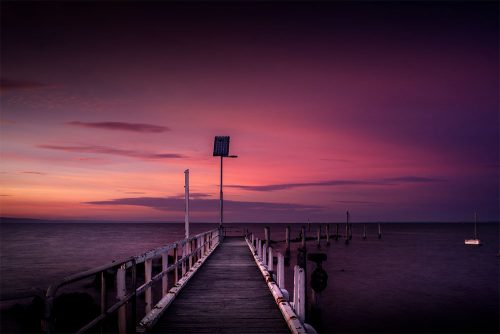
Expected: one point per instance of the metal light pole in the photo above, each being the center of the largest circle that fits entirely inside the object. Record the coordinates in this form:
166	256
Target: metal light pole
186	198
221	149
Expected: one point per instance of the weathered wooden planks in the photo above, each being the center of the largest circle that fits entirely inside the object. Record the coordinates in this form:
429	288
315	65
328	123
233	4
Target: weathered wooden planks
227	295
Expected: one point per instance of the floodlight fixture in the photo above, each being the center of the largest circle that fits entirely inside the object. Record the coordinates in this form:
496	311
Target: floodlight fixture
221	146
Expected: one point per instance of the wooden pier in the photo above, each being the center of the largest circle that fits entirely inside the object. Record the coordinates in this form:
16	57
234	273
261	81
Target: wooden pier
207	283
227	295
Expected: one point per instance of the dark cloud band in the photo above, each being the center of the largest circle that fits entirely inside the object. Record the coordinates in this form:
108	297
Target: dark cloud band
113	151
122	126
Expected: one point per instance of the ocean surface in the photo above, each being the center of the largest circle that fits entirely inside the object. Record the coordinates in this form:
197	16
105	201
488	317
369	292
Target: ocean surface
418	278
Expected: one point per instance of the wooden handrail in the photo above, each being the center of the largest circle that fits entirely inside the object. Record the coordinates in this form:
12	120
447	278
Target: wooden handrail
205	241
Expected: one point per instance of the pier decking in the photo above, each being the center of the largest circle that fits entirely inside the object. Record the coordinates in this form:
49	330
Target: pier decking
227	295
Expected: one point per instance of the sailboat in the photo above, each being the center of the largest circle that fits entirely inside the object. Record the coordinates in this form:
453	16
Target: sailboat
474	241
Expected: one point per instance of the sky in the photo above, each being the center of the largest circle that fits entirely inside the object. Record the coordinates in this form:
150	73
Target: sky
386	109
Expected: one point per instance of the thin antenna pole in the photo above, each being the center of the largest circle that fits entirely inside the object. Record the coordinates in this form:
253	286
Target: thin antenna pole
475	222
186	197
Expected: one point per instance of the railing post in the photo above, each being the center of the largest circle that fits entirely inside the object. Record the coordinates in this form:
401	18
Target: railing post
301	307
299	295
148	266
104	301
259	249
190	251
267	233
281	271
48	322
133	316
270	264
120	295
183	261
176	265
164	279
264	254
295	287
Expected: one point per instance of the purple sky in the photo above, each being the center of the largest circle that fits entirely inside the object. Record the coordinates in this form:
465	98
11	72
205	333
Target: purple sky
389	109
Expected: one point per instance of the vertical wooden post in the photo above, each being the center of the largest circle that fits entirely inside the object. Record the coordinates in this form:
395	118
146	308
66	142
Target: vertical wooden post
104	301
205	249
338	233
194	253
295	287
303	233
364	231
259	248
281	271
270	264
176	269
120	295
164	279
264	254
302	295
183	261
199	246
299	291
287	240
253	240
148	266
319	236
133	301
327	234
267	232
379	231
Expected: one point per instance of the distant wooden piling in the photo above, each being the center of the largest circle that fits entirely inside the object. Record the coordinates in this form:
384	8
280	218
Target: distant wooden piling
327	234
303	233
347	228
287	237
318	236
364	231
337	233
379	231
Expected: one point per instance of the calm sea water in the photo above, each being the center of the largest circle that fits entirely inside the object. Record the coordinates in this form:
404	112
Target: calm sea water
417	278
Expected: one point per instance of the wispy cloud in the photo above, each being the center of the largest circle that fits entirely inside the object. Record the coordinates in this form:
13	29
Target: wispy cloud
32	172
329	183
359	202
95	149
121	126
11	84
177	204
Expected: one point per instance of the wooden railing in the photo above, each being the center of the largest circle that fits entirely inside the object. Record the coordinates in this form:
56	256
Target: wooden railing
292	310
188	254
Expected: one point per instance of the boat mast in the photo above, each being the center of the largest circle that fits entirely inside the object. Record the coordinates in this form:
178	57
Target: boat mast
475	222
